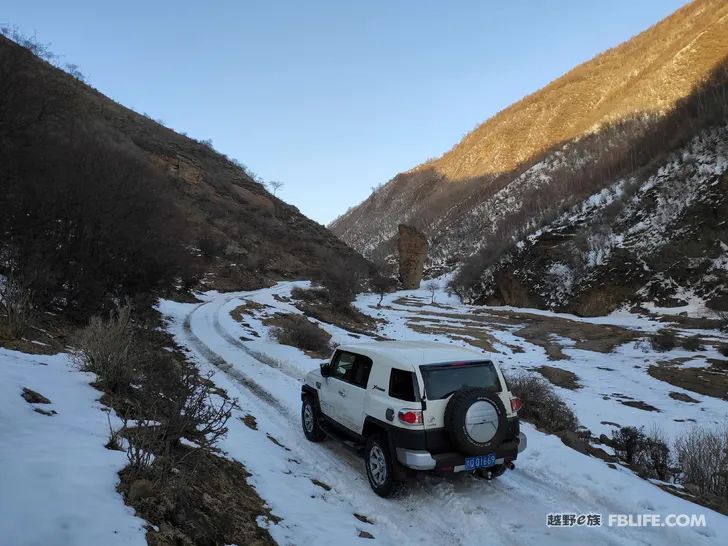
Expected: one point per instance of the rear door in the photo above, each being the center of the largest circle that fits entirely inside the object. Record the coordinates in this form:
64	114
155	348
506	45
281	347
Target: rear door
440	381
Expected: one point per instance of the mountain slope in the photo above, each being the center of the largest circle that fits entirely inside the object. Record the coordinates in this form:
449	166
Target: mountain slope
616	116
99	200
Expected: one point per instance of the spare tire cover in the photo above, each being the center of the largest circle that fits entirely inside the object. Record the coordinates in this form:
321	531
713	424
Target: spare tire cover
475	420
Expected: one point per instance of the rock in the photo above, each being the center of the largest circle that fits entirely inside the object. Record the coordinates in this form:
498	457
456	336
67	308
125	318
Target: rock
45	412
364	534
683	397
412	246
141	489
606	440
33	397
639	404
363	518
322	485
572	440
601	454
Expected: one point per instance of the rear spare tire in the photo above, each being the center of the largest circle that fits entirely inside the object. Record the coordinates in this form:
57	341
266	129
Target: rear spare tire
475	420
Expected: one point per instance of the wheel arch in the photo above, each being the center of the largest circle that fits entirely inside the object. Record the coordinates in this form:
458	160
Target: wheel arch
373	426
307	391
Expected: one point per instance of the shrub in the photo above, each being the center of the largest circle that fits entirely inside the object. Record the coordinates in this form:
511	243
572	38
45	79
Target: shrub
692	343
664	340
723	318
541	404
173	401
627	442
311	295
300	332
342	280
16	307
649	453
702	455
211	247
107	348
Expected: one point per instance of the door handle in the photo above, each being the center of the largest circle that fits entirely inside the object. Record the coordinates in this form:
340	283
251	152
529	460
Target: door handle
342	393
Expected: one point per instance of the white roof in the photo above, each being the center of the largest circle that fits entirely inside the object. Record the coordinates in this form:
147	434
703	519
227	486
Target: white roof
413	353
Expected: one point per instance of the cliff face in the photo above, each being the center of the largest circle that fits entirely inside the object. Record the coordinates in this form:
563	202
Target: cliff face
615	117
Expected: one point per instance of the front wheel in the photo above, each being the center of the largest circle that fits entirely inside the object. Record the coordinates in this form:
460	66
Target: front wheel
380	466
310	421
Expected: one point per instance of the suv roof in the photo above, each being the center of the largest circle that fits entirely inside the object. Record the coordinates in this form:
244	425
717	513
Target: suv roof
408	354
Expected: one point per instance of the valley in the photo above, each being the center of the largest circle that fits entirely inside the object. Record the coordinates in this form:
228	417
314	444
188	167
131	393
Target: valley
610	357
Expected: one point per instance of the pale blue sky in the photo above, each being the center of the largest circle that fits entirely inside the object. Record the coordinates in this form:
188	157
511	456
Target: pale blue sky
330	97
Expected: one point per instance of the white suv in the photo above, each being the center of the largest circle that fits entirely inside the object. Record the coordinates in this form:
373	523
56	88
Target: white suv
417	406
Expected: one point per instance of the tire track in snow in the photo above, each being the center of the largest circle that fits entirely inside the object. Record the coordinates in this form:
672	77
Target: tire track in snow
232	340
339	465
223	365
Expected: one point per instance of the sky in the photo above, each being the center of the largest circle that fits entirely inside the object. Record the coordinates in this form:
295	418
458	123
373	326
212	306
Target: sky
332	97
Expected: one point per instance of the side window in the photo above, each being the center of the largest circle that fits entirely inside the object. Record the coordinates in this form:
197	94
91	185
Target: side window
343	366
362	369
352	368
402	385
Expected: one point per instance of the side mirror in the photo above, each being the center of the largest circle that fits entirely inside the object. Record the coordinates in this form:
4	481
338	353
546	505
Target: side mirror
325	369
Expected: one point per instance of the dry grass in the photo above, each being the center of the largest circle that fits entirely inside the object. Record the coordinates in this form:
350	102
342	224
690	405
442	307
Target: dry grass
207	502
559	377
475	336
250	307
711	380
298	331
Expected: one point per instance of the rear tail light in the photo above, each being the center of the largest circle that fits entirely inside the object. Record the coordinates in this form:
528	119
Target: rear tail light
516	404
410	416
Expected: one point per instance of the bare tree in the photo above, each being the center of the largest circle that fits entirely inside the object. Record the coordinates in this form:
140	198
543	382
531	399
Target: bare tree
432	286
382	285
275	185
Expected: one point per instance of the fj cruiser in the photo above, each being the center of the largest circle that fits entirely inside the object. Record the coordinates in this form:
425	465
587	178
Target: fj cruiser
417	406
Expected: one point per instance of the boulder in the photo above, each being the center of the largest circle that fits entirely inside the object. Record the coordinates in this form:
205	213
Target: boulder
33	397
412	246
572	440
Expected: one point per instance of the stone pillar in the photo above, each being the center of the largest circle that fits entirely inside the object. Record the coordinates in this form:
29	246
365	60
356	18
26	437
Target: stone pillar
412	246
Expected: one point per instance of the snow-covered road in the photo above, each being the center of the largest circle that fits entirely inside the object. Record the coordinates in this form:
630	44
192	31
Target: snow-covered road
293	475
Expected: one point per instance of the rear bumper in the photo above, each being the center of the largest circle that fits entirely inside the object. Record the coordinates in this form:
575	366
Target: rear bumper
455	462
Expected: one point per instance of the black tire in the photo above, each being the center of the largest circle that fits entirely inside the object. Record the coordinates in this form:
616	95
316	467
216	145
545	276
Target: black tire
310	421
380	466
491	473
456	411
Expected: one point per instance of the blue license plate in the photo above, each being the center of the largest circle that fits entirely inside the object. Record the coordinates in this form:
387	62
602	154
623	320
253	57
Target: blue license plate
479	461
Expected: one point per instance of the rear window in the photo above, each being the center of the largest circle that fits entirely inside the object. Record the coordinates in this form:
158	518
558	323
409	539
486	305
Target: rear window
402	385
441	380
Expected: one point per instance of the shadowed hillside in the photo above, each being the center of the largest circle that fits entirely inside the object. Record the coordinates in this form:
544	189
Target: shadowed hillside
99	201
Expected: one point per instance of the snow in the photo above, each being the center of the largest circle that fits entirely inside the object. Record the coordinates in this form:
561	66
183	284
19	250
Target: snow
57	480
266	379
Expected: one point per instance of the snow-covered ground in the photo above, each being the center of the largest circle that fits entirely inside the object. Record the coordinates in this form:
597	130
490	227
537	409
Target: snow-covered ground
606	379
266	378
57	480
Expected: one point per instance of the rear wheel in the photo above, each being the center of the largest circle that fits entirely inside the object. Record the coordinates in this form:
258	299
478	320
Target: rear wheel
310	421
379	465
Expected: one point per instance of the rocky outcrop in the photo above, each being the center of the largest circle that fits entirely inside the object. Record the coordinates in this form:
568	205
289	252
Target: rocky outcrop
413	247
